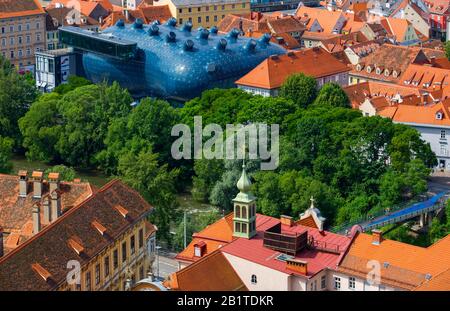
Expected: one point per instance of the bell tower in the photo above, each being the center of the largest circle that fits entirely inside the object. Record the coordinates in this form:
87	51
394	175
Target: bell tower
244	205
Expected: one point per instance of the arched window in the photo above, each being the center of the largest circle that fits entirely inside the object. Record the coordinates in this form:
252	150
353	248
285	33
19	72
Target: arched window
244	211
254	279
237	211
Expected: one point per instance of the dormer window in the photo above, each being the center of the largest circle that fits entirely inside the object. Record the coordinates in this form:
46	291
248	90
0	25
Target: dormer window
395	74
386	72
358	67
439	115
369	69
199	249
378	71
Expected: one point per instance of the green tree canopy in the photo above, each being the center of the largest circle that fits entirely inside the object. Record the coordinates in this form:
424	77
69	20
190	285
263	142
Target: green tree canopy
5	154
333	95
300	89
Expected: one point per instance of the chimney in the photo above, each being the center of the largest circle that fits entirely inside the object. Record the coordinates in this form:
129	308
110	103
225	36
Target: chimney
287	220
1	242
296	265
377	237
23	183
55	204
127	16
53	181
47	211
36	218
37	184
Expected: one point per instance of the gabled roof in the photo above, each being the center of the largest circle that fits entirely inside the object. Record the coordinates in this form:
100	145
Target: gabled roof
421	114
15	8
326	19
402	265
425	77
273	71
438	6
50	248
211	273
396	27
147	14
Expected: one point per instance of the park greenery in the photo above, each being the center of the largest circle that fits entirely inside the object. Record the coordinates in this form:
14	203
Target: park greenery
352	165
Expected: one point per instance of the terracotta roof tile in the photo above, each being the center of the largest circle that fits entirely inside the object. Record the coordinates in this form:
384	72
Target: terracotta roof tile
15	8
211	273
50	246
273	71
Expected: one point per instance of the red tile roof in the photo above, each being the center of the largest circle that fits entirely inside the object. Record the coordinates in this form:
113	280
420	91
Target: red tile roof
211	273
50	249
273	71
254	251
16	8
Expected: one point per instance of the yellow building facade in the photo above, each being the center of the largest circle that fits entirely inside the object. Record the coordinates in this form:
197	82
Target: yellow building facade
204	13
128	258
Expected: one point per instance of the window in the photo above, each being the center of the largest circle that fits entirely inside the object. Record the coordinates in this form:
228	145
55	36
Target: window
180	21
97	274
28	26
233	6
215	8
124	251
243	5
337	283
3	42
351	283
19	28
244	228
254	279
442	134
28	52
237	227
141	238
11	28
28	39
199	9
199	19
223	7
244	212
115	259
207	19
189	10
20	39
11	41
443	149
237	211
38	25
207	8
215	18
11	54
87	281
20	53
180	10
106	264
38	37
3	29
132	244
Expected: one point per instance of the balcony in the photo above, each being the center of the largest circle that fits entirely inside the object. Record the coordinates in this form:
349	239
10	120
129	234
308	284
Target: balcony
287	243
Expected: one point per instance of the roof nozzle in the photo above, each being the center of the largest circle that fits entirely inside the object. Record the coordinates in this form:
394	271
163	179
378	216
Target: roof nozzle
187	27
138	24
222	44
203	34
250	45
214	30
120	23
234	33
265	38
153	30
188	45
156	22
172	22
171	37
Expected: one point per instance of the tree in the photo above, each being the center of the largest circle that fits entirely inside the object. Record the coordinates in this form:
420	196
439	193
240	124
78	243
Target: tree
17	93
299	88
268	110
72	83
207	173
72	128
6	145
150	123
155	183
65	173
331	94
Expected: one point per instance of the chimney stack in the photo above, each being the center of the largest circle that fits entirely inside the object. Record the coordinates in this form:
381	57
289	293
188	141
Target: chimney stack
47	210
377	237
1	242
299	266
23	183
36	218
287	220
37	184
53	181
55	204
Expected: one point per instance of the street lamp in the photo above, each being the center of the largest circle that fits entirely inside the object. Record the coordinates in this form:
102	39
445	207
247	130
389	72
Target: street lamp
157	260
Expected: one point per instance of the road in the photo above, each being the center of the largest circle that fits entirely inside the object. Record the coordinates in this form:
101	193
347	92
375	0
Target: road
439	182
167	264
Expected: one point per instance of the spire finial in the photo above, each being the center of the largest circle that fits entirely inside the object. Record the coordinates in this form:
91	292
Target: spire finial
312	202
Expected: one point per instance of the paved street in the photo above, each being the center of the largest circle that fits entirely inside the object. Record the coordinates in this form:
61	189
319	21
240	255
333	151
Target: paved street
167	265
438	182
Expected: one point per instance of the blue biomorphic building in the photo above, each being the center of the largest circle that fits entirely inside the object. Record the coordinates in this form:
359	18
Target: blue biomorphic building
168	61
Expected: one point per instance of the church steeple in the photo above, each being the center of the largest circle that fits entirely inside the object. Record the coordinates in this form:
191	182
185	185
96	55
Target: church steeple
244	220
